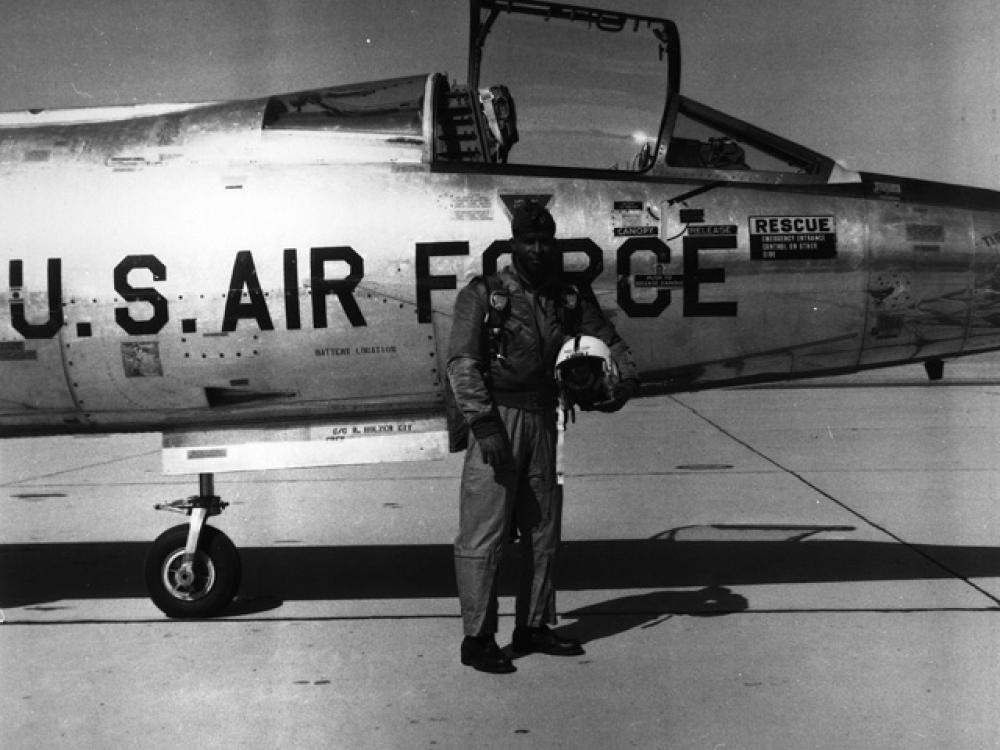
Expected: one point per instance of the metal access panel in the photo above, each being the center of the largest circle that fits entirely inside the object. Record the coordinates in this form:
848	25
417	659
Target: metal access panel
305	445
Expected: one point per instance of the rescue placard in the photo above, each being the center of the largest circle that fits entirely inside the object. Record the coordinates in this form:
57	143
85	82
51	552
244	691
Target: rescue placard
792	237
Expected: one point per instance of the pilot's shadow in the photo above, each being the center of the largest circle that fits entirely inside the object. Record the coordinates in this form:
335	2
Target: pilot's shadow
616	616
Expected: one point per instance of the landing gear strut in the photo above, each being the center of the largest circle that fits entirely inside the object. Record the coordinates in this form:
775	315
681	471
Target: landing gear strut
193	570
934	369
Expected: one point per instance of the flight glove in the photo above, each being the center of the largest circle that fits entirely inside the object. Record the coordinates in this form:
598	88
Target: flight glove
492	439
622	392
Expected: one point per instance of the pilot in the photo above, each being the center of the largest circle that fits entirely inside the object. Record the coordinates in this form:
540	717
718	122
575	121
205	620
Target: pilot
507	332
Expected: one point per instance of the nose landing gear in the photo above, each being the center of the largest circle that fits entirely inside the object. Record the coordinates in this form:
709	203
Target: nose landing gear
193	570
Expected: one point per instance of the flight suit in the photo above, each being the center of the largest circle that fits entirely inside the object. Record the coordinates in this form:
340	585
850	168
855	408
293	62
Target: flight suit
510	377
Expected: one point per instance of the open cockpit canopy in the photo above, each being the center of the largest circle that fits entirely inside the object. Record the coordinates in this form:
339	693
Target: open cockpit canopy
598	89
557	87
589	83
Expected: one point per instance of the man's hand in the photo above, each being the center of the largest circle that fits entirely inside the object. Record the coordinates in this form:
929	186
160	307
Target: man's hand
492	439
496	451
622	392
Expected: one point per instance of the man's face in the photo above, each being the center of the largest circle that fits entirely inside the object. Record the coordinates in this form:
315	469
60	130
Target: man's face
534	253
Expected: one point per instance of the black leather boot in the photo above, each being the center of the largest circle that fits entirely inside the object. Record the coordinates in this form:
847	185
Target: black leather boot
542	640
483	653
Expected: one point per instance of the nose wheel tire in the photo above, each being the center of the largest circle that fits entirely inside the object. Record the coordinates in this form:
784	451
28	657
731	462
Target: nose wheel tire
201	589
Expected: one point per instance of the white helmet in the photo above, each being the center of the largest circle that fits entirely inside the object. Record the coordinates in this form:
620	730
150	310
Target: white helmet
585	372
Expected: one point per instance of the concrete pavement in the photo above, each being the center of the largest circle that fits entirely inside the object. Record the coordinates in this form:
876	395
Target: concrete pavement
769	568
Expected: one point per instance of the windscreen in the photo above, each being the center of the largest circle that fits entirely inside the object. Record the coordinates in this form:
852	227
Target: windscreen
389	106
585	96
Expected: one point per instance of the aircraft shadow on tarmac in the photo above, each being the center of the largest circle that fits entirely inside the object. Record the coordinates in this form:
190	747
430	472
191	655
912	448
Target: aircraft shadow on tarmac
40	574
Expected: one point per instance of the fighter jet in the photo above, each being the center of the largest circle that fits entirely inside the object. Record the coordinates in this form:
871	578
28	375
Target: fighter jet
269	283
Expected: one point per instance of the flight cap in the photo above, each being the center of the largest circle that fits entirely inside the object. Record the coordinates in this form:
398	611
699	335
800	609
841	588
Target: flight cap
530	217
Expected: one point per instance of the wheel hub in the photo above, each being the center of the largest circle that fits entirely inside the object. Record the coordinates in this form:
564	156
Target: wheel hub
188	580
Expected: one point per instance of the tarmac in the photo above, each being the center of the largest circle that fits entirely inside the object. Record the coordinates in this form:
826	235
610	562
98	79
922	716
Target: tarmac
798	567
